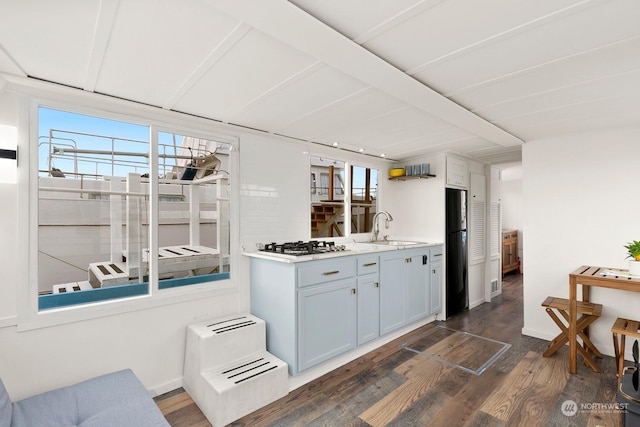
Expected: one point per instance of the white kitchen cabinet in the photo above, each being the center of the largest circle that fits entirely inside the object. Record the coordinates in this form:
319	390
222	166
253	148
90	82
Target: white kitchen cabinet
435	280
404	288
316	310
326	321
393	289
418	290
368	289
457	172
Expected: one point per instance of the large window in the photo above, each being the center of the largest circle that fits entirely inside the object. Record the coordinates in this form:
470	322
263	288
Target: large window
125	209
364	198
330	198
327	197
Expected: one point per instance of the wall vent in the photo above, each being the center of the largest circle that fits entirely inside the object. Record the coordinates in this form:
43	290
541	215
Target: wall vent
494	286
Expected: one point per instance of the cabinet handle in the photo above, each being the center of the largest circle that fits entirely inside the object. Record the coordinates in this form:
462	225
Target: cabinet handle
328	273
433	271
369	264
407	260
376	284
437	255
353	291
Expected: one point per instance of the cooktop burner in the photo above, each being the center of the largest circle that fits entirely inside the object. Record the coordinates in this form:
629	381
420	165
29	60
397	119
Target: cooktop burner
302	248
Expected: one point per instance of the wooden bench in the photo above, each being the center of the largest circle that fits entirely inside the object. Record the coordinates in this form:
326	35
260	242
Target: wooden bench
588	312
620	330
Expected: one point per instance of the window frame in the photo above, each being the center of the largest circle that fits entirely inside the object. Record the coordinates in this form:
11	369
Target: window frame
348	162
64	99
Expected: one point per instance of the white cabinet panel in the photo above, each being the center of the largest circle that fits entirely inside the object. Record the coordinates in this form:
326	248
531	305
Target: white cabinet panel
457	172
326	322
368	308
393	277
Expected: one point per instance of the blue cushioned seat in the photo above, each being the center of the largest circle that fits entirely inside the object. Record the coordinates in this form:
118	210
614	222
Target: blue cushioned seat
116	399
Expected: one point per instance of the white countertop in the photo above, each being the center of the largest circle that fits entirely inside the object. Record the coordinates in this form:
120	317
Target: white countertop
352	249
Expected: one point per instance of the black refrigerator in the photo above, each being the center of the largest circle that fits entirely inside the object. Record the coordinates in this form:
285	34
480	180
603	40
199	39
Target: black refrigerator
457	290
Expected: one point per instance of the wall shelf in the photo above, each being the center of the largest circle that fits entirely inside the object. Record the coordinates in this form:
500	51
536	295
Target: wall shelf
405	177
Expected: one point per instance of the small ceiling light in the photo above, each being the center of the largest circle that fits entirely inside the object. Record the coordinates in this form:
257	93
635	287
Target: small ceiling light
383	155
335	144
361	150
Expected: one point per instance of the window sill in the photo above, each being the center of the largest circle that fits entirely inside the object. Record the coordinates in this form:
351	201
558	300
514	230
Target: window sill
85	312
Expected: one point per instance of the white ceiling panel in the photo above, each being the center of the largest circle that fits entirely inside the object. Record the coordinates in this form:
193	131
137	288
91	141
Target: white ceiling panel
616	85
342	114
612	60
50	40
595	121
339	14
8	65
580	111
534	45
310	90
256	64
454	25
403	77
461	143
496	155
155	45
388	129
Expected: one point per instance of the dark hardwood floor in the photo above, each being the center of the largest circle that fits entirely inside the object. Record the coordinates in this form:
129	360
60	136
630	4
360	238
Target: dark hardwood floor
392	386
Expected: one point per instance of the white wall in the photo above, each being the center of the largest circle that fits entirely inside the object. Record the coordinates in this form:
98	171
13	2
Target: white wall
274	205
580	207
417	205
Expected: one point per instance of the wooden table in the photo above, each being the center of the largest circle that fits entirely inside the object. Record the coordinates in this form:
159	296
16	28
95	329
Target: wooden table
588	276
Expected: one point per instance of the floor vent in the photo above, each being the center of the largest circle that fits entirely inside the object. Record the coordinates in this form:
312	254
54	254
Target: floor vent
494	286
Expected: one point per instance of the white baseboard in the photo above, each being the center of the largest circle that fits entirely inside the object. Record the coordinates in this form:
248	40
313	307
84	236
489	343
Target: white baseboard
538	334
475	304
166	387
5	322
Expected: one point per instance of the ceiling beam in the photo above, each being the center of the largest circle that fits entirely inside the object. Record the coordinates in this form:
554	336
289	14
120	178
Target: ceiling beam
286	22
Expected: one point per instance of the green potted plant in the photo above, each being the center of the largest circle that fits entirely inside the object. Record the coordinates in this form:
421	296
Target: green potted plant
633	251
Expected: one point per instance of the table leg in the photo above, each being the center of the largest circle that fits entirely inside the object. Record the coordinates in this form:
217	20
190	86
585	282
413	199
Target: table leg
586	298
573	316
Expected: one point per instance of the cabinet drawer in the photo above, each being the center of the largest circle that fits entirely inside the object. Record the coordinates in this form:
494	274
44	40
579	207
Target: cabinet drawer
315	272
435	253
368	264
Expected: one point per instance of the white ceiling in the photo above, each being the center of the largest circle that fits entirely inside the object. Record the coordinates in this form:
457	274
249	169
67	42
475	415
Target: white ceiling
401	77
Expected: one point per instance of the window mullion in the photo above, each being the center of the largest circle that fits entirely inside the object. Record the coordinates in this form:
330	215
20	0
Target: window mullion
154	211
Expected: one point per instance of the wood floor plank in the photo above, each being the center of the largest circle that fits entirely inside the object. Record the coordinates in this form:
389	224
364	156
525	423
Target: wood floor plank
174	403
343	412
469	397
395	387
503	402
423	376
523	398
423	409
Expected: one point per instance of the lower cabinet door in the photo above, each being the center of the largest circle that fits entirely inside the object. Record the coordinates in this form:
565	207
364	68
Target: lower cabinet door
368	308
418	295
326	322
393	277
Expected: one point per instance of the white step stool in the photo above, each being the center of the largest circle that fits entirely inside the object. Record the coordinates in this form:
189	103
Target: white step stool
228	372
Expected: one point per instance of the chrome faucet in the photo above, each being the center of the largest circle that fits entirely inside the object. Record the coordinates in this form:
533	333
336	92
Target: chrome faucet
376	226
